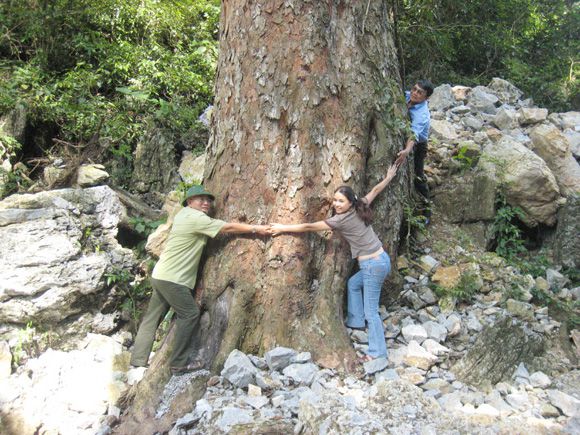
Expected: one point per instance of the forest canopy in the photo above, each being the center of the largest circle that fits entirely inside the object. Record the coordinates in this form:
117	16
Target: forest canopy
102	69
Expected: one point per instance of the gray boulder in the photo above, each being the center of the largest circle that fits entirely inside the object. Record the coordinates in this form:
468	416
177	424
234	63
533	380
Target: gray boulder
569	405
483	100
552	146
505	91
279	358
302	374
239	370
567	242
56	248
506	119
529	115
528	182
442	98
498	349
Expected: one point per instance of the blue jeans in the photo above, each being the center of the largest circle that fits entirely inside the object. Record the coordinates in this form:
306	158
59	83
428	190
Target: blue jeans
364	292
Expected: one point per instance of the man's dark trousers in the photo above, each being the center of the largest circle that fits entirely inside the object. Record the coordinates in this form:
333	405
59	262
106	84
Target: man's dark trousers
167	295
420	152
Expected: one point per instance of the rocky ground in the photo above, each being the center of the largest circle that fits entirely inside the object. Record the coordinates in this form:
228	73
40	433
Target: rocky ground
435	380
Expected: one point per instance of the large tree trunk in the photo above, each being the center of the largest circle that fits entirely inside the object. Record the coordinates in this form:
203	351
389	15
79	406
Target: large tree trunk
308	98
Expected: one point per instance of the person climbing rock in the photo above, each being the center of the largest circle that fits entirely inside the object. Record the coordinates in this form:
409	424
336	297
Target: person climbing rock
420	117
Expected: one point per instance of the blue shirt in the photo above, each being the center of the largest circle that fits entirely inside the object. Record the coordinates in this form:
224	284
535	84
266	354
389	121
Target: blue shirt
420	119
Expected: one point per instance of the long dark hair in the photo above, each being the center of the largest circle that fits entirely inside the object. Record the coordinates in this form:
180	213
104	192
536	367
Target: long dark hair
360	204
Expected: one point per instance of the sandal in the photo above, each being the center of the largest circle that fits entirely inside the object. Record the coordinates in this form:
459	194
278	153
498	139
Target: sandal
191	367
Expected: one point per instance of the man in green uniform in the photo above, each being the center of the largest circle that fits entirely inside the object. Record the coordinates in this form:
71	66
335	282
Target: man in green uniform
174	277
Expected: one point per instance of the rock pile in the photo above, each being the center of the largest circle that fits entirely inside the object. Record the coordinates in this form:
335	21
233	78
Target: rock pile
488	140
286	392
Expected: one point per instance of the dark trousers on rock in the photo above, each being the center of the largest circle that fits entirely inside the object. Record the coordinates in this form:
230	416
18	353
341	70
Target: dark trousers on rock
167	295
420	152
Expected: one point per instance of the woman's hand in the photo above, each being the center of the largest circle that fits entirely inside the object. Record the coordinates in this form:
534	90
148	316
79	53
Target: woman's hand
263	230
392	171
276	229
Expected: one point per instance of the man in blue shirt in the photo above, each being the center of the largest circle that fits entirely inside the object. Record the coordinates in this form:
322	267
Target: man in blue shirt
420	122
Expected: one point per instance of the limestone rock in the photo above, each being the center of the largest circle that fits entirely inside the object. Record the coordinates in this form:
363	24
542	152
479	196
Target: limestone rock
540	380
460	93
414	333
504	90
302	374
434	347
567	242
552	146
569	405
529	182
443	130
64	399
191	168
435	331
532	115
447	277
520	309
469	198
91	175
155	162
474	123
428	263
375	365
483	100
556	280
238	369
497	350
56	248
506	119
570	120
418	357
279	358
442	98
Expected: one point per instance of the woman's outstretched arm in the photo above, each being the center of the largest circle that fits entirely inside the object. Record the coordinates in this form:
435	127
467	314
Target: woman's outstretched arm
370	197
299	228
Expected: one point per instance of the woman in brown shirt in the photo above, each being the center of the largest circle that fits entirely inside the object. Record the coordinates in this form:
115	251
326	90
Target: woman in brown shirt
352	218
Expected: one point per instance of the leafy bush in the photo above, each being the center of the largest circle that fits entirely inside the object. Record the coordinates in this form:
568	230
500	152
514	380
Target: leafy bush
533	43
100	69
508	237
464	290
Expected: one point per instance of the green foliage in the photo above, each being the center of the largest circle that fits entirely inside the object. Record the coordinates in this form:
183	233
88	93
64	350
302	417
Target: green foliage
144	228
507	235
533	43
31	342
414	223
13	181
103	68
134	290
463	158
464	291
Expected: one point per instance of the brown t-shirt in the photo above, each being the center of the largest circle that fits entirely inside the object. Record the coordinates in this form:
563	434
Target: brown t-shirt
361	238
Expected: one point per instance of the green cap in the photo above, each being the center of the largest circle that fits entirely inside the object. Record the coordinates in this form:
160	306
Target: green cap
197	190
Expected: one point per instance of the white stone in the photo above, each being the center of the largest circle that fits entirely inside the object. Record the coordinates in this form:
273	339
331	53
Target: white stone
540	380
414	332
569	405
434	348
419	357
91	175
435	331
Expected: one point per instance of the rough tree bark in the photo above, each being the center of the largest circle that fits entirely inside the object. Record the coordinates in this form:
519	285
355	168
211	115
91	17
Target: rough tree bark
308	98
